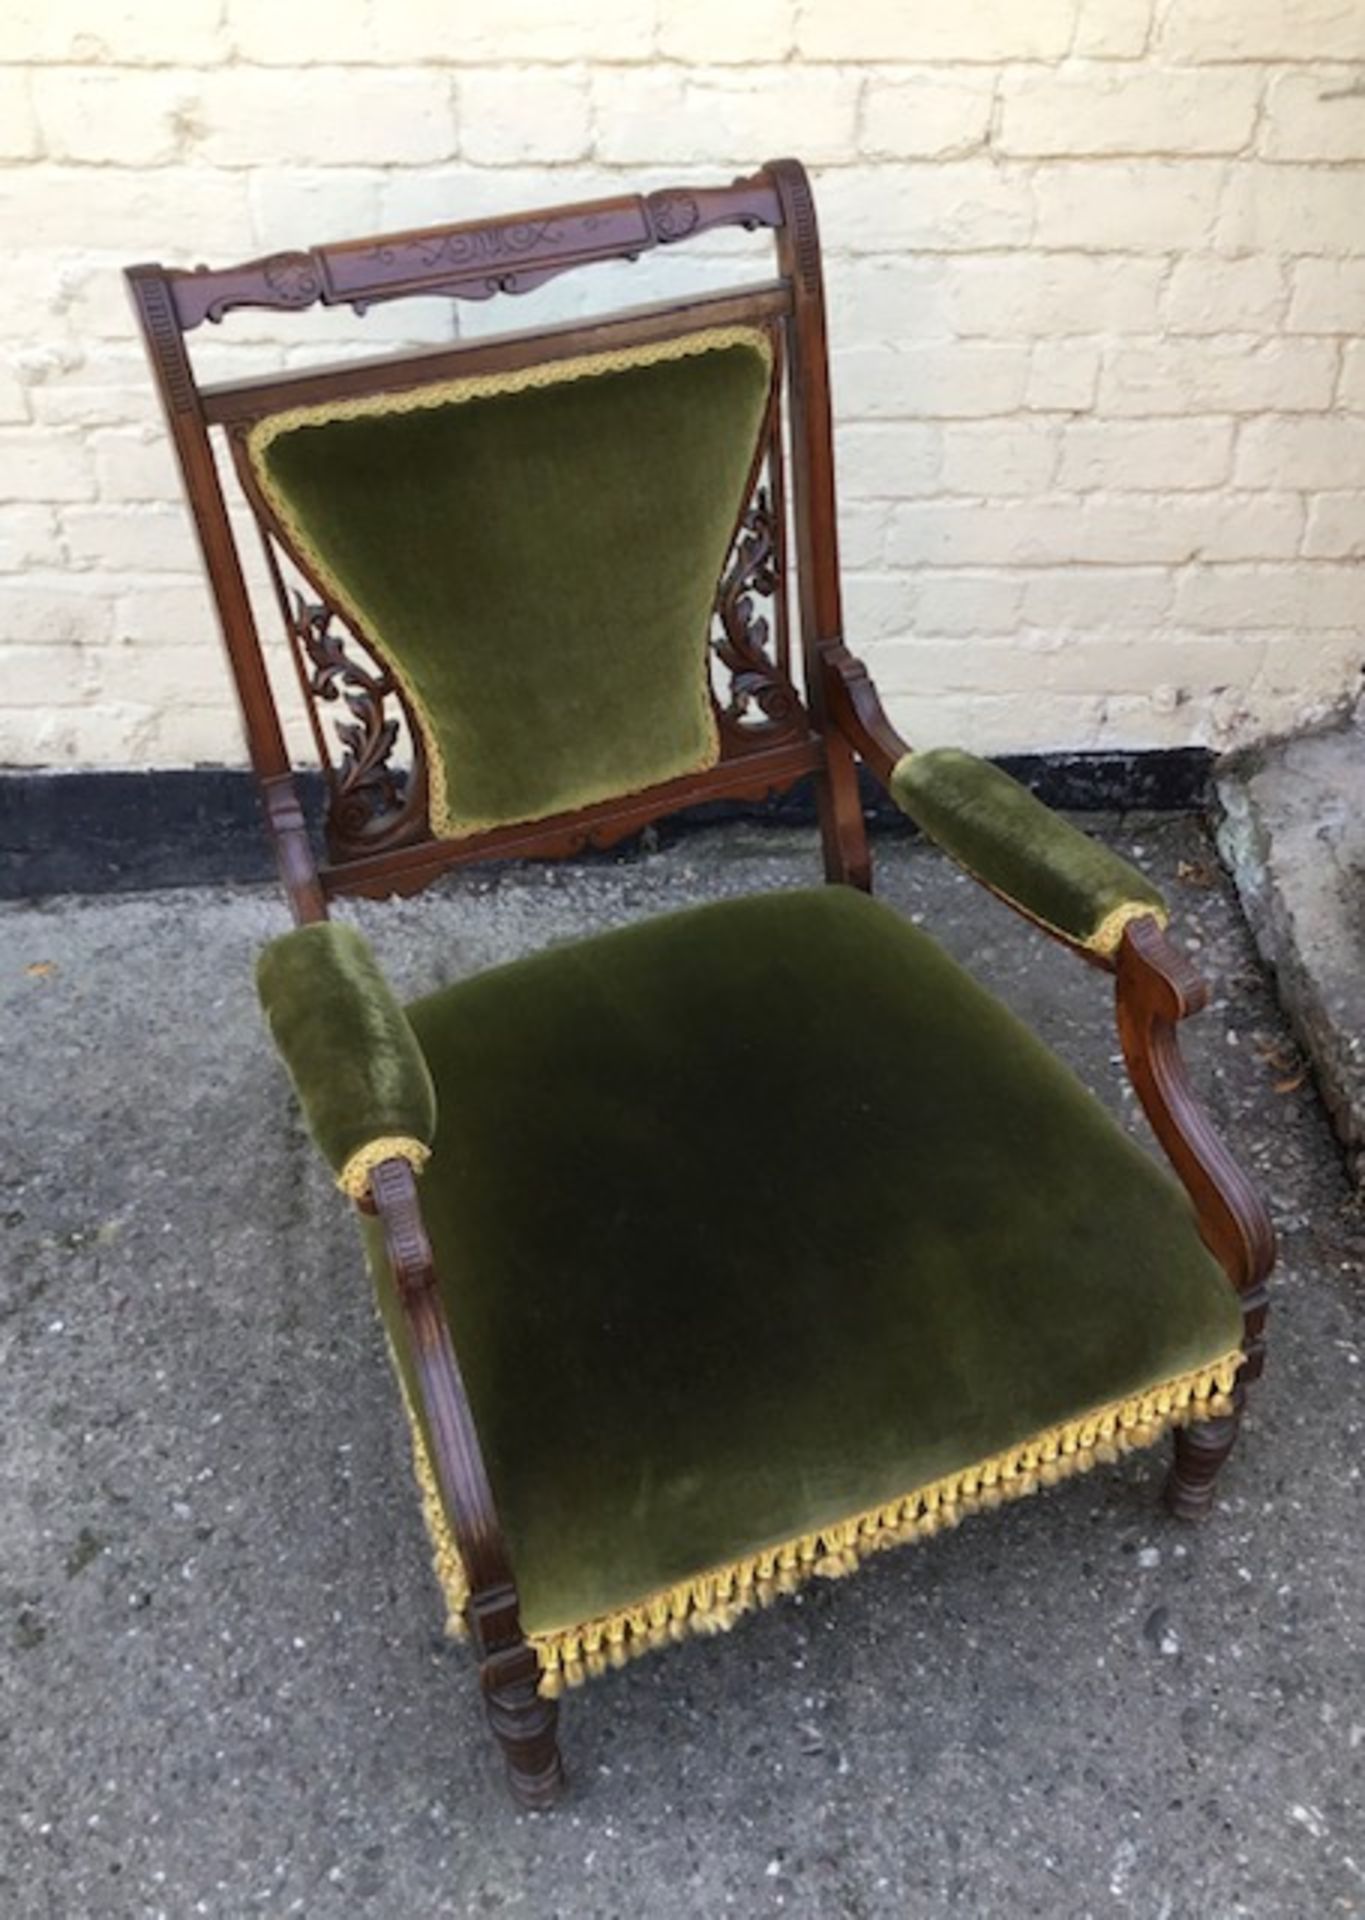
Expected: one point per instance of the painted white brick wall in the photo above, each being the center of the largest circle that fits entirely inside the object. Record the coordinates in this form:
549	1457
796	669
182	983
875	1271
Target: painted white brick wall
1097	282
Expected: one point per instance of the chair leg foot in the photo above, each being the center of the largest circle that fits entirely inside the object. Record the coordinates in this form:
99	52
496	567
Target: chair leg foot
525	1725
1199	1454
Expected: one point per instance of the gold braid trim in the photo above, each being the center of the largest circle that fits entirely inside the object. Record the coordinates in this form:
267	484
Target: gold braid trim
1106	936
440	393
711	1602
354	1178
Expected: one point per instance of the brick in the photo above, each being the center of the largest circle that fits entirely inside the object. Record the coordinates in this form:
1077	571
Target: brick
1302	597
988	30
1037	663
862	532
1145	455
878	300
1156	206
306	208
164	214
1262	30
1305	681
132	539
193	736
61	405
1351	388
1314	453
18	127
93	297
877	606
1063	375
44	466
54	616
264	32
135	465
926	116
32	678
1336	527
984	662
178	614
159	677
252	118
708	31
1112	29
29	537
957	206
888	462
954	380
435	196
1292	209
1176	672
1127	530
511	115
515	30
135	33
965	603
1013	296
1328	296
1100	110
1315	116
13	396
662	116
120	115
1237	374
91	736
999	457
1208	294
1087	598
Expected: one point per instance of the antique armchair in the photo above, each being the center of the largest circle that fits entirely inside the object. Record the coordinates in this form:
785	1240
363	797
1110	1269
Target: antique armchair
646	1397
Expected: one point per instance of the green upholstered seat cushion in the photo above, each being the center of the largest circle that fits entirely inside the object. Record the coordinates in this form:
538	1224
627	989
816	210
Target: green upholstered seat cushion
354	1060
537	554
753	1216
1003	834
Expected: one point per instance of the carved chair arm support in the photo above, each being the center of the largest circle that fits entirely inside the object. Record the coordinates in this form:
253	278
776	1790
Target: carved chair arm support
1156	988
457	1459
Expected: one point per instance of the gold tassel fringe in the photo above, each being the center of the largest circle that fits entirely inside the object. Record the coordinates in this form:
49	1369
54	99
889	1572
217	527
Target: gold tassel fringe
354	1178
712	1602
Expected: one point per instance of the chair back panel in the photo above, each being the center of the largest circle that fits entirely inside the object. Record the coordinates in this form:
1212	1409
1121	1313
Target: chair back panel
545	594
536	555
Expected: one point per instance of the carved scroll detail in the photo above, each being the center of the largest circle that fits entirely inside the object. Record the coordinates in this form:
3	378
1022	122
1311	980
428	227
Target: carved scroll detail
373	803
762	703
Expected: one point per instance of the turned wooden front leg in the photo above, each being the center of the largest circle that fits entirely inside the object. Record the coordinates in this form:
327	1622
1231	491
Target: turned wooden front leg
1199	1454
525	1724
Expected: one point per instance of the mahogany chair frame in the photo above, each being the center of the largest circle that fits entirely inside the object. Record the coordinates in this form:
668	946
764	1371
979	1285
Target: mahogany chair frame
379	840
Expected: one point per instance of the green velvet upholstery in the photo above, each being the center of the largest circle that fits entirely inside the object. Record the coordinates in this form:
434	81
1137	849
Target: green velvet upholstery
753	1216
998	830
538	560
356	1065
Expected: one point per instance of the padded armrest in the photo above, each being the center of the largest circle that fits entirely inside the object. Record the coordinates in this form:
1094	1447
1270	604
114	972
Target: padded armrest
1000	833
356	1064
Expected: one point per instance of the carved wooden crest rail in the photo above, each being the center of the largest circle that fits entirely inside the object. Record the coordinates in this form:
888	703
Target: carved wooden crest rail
476	260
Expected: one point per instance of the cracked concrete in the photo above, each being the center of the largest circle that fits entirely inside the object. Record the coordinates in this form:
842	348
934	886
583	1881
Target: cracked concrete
224	1687
1292	832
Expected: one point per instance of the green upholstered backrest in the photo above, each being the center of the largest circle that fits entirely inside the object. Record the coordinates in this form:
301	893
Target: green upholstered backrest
535	554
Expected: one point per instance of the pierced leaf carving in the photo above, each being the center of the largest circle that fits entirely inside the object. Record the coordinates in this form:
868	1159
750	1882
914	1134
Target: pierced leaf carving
760	702
372	800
